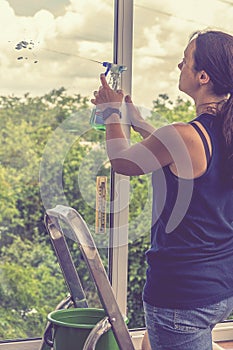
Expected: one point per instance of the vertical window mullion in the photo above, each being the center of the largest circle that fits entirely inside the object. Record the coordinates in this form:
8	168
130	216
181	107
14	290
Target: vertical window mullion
119	212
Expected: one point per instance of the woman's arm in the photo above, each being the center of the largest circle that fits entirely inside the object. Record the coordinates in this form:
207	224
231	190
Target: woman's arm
137	122
162	147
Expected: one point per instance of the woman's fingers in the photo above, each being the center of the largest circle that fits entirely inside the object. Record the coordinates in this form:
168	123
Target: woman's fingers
104	81
121	93
106	95
128	99
133	113
93	100
130	106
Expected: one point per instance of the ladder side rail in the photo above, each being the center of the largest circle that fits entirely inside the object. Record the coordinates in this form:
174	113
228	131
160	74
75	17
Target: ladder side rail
82	235
66	263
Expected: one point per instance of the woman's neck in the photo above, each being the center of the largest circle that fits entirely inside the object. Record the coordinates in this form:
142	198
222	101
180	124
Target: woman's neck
211	107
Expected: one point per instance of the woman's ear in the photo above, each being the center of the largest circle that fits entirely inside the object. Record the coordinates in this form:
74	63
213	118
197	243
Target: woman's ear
203	77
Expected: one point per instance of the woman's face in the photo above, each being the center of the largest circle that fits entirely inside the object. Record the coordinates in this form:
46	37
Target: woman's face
188	81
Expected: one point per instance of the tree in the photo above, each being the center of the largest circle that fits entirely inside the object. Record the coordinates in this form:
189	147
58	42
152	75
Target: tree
26	124
30	290
165	111
50	155
31	285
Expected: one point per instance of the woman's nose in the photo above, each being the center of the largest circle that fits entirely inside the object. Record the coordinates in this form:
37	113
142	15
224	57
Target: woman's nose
180	65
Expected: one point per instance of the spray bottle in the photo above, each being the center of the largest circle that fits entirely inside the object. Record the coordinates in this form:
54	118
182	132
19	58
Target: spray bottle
115	70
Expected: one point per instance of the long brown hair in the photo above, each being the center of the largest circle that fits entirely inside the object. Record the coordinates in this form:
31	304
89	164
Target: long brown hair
214	55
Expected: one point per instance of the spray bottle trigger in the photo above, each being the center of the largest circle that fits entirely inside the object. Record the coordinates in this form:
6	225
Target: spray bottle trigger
108	65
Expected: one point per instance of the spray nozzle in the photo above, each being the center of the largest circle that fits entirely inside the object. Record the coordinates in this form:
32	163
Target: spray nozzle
115	72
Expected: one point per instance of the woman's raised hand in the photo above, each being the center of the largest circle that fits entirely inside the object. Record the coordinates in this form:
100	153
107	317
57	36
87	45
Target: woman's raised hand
107	97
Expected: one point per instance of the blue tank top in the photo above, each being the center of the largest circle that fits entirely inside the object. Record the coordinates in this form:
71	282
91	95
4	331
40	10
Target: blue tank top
190	262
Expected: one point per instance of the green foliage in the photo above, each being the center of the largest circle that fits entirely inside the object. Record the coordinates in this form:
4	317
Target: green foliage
30	284
47	157
7	199
165	111
31	281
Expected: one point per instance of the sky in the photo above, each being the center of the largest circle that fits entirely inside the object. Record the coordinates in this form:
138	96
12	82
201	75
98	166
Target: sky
63	37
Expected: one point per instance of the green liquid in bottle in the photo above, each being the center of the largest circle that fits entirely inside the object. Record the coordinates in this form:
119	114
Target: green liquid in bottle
96	120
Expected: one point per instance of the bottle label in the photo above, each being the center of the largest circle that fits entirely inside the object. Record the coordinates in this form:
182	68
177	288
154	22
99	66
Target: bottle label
96	120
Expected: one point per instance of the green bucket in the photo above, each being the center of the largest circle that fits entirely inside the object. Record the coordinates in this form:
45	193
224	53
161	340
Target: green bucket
71	328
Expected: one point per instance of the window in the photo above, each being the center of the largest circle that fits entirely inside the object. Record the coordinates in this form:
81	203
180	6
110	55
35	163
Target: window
50	64
51	58
161	32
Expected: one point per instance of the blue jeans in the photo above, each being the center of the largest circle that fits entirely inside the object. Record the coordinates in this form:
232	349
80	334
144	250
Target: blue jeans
176	329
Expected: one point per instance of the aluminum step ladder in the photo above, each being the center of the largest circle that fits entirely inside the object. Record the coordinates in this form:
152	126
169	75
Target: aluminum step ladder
79	232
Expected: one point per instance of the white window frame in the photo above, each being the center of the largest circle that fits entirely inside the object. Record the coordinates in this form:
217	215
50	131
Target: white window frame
119	210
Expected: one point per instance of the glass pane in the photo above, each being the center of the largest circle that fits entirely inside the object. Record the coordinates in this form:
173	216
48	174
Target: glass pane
161	32
50	64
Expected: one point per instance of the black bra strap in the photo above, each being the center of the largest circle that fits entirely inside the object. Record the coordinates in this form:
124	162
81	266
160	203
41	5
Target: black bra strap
203	138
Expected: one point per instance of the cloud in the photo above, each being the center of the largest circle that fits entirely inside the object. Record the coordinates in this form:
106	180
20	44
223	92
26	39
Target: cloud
162	32
29	8
65	44
71	34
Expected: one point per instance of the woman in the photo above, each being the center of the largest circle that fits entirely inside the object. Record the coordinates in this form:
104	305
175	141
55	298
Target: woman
189	283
